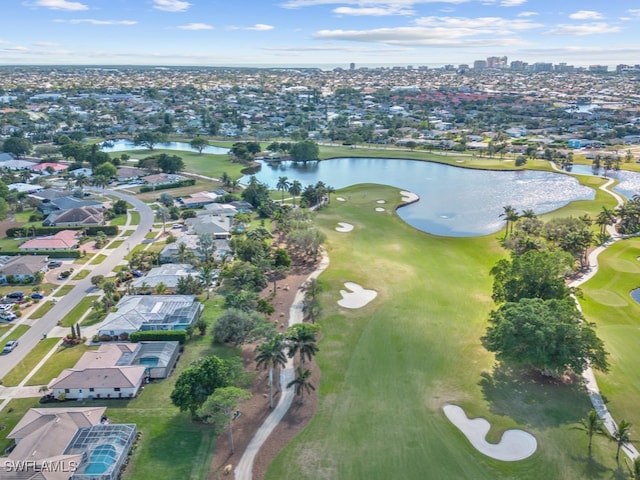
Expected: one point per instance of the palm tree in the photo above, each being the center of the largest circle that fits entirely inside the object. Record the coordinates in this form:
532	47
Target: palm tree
160	289
207	275
225	179
622	435
301	338
511	216
592	425
295	189
329	191
184	252
605	217
271	356
301	383
283	185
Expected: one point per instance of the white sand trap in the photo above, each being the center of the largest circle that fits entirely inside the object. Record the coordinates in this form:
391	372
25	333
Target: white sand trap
379	209
513	446
380	201
409	196
344	227
357	297
459	161
340	199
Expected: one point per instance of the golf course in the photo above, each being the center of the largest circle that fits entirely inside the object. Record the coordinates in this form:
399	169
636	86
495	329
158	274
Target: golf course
389	368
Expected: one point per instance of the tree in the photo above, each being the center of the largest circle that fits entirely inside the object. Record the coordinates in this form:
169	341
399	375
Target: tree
206	275
201	325
301	338
170	163
311	304
237	327
271	356
119	207
199	144
200	380
206	245
166	199
511	216
621	435
189	285
96	280
283	185
107	170
551	336
295	189
592	425
218	407
305	151
149	139
17	145
301	383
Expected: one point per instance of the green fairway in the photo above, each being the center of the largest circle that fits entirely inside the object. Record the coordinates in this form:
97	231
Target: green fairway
388	368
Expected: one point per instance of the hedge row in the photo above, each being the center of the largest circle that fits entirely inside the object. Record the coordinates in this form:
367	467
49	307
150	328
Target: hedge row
159	335
182	183
15	232
49	253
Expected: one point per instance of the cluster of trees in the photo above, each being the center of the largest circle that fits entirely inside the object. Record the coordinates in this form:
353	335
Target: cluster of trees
244	152
537	323
629	214
150	138
303	238
162	162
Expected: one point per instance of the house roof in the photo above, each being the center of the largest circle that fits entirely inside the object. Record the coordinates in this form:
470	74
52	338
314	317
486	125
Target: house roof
86	215
16	164
108	355
159	178
68	202
57	167
99	377
209	224
168	274
63	240
24	265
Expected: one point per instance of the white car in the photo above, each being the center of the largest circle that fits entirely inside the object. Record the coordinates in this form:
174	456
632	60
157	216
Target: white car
8	348
5	307
8	316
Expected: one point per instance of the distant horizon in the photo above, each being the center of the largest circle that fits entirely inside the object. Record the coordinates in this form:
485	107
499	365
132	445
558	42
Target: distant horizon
317	32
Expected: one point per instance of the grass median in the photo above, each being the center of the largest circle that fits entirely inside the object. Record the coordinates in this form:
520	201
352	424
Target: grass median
28	363
64	357
42	310
82	308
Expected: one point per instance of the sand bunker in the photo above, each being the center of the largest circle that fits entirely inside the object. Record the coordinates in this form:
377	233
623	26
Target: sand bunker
357	297
340	199
409	196
379	209
344	227
514	444
380	201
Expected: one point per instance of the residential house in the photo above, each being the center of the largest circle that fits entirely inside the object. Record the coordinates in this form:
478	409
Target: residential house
151	312
171	252
63	443
198	200
218	226
98	382
167	275
24	187
46	167
22	268
219	209
75	217
127	174
64	240
68	202
242	206
9	162
162	179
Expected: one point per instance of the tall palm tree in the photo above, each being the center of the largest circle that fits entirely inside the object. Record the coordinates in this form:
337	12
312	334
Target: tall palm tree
605	217
301	338
592	425
295	189
511	216
271	356
622	435
225	179
301	383
161	289
206	276
283	185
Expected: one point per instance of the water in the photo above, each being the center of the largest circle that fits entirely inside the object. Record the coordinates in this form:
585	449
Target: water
454	201
635	294
124	145
628	182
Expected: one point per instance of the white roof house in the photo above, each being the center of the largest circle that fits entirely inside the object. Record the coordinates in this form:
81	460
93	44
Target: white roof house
168	274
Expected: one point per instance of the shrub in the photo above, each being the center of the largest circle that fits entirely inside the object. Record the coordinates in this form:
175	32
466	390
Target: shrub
159	335
104	338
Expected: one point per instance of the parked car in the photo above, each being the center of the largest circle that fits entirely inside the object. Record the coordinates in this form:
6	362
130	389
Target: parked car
54	264
37	296
8	316
137	273
15	295
10	346
5	307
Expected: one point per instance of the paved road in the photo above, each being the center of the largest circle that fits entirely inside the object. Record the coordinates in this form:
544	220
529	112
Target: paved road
66	303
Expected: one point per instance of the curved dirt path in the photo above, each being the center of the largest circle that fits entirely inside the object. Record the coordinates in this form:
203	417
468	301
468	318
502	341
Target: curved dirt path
244	469
588	376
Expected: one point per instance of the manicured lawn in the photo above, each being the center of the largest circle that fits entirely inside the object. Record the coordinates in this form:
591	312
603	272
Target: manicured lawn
206	164
17	374
135	218
608	303
65	357
10	244
11	415
42	310
115	244
128	232
16	334
63	291
78	311
119	221
81	274
98	259
151	235
388	368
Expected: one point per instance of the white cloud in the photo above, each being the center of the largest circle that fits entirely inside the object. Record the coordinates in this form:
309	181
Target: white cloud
196	26
260	27
512	3
15	49
528	14
45	44
93	21
586	15
634	12
374	11
367	3
171	5
480	25
584	29
61	5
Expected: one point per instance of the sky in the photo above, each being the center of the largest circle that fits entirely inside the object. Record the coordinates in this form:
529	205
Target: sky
322	33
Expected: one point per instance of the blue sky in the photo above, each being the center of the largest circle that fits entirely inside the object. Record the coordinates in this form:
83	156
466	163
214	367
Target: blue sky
317	32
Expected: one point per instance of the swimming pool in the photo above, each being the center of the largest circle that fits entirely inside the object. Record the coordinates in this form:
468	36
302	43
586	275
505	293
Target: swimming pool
101	460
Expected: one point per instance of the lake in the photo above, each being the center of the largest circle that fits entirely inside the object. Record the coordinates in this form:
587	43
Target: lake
124	145
628	182
454	201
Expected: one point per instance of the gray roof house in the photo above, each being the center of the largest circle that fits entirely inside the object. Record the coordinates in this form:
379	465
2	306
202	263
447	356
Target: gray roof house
22	268
170	253
75	217
167	274
217	226
66	203
151	312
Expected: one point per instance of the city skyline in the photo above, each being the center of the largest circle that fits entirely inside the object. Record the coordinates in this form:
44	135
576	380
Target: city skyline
316	32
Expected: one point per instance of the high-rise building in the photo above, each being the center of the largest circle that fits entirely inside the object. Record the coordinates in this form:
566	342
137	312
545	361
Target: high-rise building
496	62
519	65
352	66
479	64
